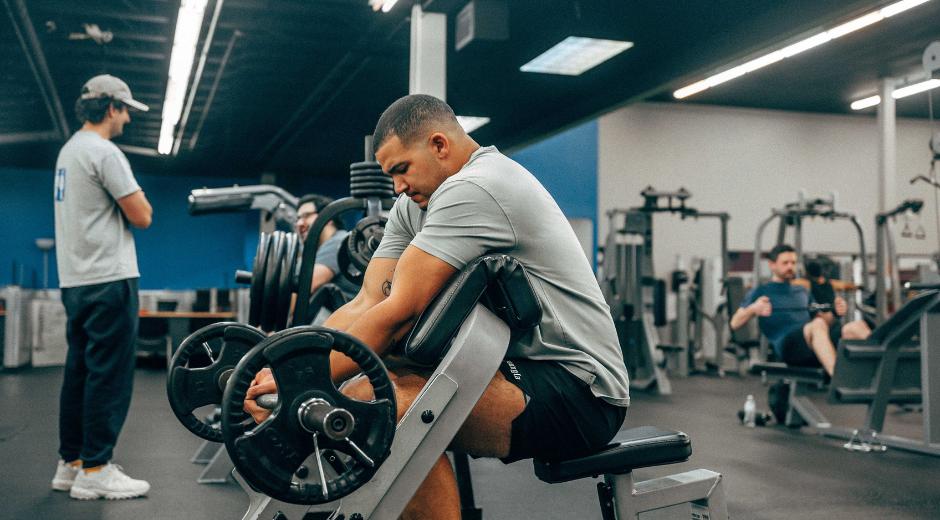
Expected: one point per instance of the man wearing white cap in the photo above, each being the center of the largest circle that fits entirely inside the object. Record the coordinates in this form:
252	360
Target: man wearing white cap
97	199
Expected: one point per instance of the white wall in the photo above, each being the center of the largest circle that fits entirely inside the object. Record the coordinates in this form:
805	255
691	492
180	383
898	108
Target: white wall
746	161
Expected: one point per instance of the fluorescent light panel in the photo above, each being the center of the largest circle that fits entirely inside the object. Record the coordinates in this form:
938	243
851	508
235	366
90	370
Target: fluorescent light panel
798	47
471	123
899	93
384	5
574	55
188	26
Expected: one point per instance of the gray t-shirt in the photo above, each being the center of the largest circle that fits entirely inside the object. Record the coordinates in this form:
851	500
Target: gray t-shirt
328	253
494	205
94	243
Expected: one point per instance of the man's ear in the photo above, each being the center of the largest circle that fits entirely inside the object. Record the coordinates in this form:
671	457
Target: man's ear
440	144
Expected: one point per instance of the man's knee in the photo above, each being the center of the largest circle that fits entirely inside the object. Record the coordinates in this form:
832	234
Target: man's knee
815	326
857	329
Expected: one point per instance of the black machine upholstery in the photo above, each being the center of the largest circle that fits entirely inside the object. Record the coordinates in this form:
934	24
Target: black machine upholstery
631	449
498	281
783	370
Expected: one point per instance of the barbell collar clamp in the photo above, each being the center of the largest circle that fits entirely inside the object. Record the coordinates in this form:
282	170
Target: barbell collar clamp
318	416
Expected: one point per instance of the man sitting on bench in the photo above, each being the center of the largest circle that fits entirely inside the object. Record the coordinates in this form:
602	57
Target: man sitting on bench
562	390
785	317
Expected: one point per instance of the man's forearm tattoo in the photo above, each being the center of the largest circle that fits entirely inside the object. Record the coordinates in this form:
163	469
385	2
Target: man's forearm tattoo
387	284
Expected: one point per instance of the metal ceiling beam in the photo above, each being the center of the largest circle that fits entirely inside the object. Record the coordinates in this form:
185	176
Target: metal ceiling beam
294	127
23	27
89	14
215	86
29	137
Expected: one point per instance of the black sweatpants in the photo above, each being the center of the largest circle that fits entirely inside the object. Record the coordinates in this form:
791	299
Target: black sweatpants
99	368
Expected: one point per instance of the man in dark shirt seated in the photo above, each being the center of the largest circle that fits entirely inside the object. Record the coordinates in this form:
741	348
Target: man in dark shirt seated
783	311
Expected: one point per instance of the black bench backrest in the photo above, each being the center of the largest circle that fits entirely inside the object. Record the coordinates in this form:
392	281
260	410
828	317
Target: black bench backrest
498	281
902	318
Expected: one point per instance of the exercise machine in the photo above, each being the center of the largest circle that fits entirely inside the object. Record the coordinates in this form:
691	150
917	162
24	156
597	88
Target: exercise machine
272	199
790	221
322	455
637	300
894	365
886	265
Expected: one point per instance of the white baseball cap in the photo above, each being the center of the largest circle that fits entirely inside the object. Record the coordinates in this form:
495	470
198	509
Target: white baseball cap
109	86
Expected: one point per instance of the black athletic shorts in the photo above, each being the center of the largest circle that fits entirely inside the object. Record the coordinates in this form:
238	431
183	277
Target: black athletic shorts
562	418
797	352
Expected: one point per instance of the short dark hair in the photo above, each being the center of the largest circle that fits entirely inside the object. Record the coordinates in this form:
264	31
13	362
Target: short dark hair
778	250
319	202
408	116
95	109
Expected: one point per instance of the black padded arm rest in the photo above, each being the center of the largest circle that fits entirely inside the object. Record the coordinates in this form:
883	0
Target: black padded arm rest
634	448
499	281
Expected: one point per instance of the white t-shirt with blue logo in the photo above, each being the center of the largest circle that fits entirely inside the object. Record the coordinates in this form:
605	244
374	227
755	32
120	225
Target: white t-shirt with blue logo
94	243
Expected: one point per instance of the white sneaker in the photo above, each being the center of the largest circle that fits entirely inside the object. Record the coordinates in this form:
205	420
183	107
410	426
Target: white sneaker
109	482
64	476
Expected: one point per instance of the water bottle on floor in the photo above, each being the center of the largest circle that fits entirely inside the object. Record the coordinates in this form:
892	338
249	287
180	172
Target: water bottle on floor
750	412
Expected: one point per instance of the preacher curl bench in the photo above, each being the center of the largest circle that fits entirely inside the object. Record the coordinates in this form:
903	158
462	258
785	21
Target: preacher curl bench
465	333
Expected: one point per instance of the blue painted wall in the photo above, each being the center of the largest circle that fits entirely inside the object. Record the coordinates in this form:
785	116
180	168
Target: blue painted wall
184	252
566	164
177	252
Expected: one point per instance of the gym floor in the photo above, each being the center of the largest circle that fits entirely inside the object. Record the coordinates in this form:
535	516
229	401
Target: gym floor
770	472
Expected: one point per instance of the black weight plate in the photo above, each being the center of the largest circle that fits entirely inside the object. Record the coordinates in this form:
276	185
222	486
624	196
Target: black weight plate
386	185
366	165
192	384
268	455
370	175
346	269
272	281
256	293
364	239
286	288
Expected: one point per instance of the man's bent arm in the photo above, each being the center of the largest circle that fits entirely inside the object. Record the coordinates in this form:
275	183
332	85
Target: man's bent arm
376	286
419	276
741	317
137	209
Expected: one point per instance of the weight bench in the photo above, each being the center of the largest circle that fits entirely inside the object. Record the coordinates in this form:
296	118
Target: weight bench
892	366
465	333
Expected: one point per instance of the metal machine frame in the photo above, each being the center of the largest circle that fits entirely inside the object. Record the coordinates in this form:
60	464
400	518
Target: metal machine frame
628	276
450	394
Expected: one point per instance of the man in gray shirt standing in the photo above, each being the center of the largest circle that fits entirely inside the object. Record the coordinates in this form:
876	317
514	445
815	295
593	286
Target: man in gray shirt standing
97	199
562	390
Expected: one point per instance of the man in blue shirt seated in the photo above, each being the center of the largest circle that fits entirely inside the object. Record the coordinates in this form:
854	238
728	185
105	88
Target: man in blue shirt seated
783	311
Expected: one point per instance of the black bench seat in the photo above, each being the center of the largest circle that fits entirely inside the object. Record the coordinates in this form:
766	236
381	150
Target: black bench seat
634	448
776	369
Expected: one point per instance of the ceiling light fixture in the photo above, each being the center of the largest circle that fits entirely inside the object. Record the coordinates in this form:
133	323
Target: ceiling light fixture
471	123
384	5
574	55
899	93
188	26
798	47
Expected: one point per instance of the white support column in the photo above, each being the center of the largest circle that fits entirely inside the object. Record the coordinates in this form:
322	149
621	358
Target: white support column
887	146
428	70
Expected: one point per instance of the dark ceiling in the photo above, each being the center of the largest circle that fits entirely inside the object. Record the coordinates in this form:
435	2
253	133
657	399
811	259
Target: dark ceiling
296	84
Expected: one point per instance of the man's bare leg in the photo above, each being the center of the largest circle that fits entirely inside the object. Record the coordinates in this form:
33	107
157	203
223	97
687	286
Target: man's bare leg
857	329
817	337
486	433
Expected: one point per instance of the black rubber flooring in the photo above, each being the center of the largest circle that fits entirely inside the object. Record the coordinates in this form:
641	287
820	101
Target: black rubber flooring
770	473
